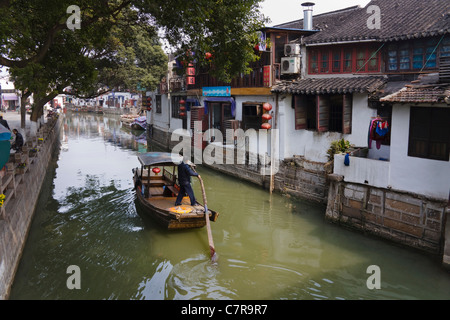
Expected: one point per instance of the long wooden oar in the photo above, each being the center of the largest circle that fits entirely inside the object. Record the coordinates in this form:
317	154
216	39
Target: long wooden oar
212	250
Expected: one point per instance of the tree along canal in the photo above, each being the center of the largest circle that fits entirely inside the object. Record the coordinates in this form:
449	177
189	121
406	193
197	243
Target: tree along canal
269	247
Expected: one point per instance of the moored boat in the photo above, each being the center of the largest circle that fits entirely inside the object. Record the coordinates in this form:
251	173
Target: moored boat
128	119
157	187
139	123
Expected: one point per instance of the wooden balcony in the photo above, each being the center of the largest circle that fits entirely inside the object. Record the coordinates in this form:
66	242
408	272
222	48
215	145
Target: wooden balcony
177	84
255	79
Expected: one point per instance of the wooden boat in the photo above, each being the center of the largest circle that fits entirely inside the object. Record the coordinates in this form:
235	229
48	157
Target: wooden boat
157	188
139	123
128	119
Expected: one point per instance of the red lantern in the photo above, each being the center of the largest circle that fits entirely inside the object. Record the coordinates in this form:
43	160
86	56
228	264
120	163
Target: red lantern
156	170
182	102
182	108
190	80
267	106
182	114
190	71
266	116
266	126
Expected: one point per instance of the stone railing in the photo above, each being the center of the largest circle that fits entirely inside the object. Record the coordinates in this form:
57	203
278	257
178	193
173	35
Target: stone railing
20	183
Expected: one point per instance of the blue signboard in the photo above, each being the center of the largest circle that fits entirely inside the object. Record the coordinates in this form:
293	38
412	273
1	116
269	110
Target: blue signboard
216	91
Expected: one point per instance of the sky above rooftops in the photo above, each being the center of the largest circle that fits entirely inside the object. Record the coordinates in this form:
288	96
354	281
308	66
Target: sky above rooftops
281	11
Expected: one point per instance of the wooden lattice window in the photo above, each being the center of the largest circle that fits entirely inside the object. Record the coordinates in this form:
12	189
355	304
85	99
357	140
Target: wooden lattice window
429	133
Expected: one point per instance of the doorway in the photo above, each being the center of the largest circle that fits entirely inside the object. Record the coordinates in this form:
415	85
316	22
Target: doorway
219	114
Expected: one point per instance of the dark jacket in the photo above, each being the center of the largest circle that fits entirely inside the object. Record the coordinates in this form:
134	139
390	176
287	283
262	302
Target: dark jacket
18	144
184	174
4	123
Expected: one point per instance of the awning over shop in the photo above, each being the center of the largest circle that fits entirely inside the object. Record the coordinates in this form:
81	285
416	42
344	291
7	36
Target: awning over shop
9	96
191	102
224	99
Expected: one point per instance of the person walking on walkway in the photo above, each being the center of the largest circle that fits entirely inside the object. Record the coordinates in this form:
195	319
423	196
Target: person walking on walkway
4	123
184	179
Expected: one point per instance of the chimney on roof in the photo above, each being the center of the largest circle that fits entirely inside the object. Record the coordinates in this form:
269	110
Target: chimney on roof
307	15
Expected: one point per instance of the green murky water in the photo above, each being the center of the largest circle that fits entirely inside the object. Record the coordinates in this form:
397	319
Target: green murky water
269	247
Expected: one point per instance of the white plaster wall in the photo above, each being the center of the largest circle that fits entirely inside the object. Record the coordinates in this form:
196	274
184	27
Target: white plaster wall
384	152
174	123
314	145
363	170
422	176
262	144
252	99
161	120
257	143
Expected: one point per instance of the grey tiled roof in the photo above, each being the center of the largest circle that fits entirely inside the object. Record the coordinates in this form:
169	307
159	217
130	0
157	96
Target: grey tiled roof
426	89
335	85
400	20
417	95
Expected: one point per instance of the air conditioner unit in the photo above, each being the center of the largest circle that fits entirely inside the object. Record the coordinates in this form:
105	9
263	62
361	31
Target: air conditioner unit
291	49
290	65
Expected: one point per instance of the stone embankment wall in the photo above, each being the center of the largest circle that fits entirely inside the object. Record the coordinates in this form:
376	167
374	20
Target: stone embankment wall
296	176
408	219
21	183
158	137
303	178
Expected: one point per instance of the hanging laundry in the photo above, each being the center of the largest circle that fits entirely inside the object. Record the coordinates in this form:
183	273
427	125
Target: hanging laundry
382	128
347	159
378	130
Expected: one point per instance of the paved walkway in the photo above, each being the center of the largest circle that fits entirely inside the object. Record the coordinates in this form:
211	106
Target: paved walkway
13	119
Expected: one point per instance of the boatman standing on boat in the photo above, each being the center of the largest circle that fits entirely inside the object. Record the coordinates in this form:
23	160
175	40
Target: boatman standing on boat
184	179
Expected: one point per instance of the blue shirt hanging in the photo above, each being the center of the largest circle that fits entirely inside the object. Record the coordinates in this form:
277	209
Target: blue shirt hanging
347	159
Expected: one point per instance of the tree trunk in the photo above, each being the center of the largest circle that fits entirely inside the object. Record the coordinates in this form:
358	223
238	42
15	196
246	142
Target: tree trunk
36	113
23	110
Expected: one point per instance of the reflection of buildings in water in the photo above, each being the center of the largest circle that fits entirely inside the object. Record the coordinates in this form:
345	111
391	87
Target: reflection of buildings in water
106	126
87	124
127	140
64	139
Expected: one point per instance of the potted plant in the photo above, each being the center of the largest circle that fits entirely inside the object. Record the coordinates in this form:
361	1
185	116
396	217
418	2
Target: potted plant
338	146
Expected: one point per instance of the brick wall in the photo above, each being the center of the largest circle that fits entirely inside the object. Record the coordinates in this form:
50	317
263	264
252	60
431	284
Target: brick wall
22	186
158	137
404	218
304	179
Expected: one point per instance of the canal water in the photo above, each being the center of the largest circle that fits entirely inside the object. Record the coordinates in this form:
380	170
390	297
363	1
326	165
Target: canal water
269	247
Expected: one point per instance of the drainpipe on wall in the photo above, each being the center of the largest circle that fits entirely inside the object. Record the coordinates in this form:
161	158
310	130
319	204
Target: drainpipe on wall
273	136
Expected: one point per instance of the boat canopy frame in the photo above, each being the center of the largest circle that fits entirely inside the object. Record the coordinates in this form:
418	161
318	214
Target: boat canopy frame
160	158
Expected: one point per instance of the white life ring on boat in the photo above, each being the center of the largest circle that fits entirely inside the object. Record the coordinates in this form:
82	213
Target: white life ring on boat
180	209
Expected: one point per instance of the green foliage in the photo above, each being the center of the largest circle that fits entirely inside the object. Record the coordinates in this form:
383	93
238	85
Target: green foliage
117	45
225	28
139	59
338	146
